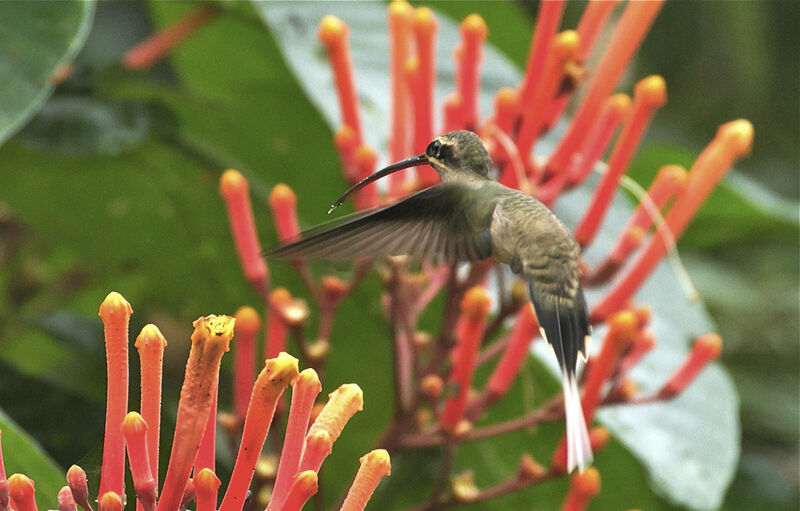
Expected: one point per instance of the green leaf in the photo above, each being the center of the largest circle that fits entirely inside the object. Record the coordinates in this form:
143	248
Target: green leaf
36	40
689	446
23	455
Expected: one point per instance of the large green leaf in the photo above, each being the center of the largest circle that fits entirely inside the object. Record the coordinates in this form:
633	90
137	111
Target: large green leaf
689	446
22	454
36	40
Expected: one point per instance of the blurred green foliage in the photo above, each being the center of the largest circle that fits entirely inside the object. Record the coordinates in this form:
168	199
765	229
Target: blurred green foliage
113	186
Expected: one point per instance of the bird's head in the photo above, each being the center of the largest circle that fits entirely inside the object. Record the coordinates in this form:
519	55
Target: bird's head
455	156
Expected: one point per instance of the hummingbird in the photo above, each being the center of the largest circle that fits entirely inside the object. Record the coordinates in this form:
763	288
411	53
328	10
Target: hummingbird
467	218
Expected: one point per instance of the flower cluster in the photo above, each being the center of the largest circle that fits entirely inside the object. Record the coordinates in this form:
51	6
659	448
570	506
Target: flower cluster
309	437
436	404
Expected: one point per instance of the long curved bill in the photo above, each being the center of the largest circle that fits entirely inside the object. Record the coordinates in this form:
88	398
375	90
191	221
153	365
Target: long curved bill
414	161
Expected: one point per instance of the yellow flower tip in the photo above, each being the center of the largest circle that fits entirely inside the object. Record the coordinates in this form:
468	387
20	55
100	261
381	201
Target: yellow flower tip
321	441
412	65
345	136
453	100
621	103
114	305
737	136
217	330
319	350
295	312
150	337
334	287
349	394
425	20
400	9
75	475
282	196
565	45
710	343
463	427
652	90
636	234
378	462
280	295
110	501
332	30
628	388
673	174
133	423
530	469
366	156
306	481
282	370
623	326
587	483
474	26
506	98
463	487
342	404
643	315
248	321
206	480
432	386
308	378
476	302
232	182
20	486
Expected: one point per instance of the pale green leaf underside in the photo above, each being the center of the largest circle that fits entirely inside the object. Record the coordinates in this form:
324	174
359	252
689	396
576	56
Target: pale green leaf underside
36	39
690	447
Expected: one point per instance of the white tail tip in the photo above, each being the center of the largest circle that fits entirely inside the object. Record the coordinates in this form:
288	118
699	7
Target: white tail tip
579	450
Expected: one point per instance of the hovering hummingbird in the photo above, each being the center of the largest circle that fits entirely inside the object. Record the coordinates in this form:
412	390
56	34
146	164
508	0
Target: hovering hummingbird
471	217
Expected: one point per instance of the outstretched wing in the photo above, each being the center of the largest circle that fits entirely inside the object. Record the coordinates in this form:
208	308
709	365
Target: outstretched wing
448	220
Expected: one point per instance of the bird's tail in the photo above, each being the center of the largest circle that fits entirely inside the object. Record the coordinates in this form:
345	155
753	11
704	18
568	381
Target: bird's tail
579	450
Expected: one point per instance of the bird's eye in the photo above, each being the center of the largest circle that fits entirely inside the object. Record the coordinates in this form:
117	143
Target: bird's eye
434	149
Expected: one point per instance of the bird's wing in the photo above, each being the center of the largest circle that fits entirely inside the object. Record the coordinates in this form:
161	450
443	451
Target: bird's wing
448	220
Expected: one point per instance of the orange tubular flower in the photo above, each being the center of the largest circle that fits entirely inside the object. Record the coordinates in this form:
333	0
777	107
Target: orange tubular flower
210	340
283	202
346	143
564	49
547	21
153	49
374	466
304	485
234	189
150	345
134	429
706	348
506	109
65	500
400	18
366	161
453	114
473	34
526	328
645	341
206	484
592	22
275	341
207	452
248	323
278	372
333	34
598	438
342	404
584	486
623	328
425	27
650	94
110	501
304	391
2	466
76	479
669	181
115	312
628	35
20	489
318	446
615	109
469	331
733	140
4	496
